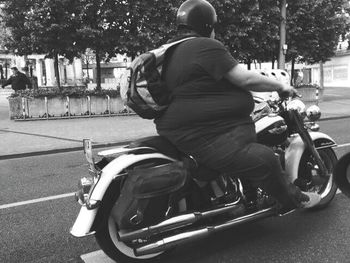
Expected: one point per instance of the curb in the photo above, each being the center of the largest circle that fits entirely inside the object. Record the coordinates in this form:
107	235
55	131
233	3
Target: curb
54	151
335	118
102	145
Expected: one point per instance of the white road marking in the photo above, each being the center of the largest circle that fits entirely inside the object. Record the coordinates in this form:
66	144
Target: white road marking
334	95
96	256
343	145
38	200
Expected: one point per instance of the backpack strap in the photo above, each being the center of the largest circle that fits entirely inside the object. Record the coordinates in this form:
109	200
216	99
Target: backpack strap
159	52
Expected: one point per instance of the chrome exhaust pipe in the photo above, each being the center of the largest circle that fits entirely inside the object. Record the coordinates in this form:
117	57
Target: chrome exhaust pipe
172	241
178	222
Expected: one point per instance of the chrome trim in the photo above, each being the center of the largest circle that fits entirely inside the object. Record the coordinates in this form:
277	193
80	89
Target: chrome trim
122	150
87	147
313	113
194	160
327	146
328	187
278	130
172	241
92	204
177	222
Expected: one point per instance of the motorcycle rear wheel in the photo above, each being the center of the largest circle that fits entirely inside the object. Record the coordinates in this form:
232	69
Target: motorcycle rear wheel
107	237
308	171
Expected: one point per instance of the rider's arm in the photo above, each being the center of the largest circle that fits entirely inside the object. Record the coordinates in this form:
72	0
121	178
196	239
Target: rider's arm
7	82
253	81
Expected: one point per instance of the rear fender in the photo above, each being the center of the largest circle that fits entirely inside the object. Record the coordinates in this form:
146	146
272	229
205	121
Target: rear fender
296	149
86	217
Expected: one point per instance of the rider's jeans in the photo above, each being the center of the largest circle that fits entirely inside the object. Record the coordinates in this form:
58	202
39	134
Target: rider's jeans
237	153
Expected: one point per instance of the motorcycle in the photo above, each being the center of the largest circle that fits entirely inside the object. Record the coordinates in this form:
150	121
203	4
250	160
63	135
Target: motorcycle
144	199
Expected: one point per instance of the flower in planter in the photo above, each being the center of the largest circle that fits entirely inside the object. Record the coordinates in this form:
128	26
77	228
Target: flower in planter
66	91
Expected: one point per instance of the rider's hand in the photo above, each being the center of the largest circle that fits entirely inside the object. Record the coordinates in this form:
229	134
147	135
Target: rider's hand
287	91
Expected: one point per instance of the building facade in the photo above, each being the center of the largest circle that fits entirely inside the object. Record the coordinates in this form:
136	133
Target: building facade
42	68
336	71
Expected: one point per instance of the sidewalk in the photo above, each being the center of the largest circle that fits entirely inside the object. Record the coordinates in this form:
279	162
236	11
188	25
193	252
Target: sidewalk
27	138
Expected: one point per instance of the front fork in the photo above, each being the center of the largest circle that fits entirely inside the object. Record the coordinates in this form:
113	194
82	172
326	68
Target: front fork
309	143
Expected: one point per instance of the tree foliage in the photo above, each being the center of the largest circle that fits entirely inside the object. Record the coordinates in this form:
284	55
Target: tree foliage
249	28
147	24
100	29
42	27
4	32
314	28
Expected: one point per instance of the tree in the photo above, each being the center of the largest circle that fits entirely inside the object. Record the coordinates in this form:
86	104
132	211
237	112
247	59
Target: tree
314	28
147	24
88	57
100	29
249	28
42	27
4	32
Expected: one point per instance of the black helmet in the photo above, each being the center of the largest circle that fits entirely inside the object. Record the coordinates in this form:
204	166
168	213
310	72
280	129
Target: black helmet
198	15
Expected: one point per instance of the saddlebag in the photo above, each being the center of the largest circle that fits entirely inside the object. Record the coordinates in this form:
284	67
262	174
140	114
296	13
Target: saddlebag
147	194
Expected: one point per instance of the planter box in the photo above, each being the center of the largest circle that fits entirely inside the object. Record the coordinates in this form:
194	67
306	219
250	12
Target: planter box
309	94
15	106
65	107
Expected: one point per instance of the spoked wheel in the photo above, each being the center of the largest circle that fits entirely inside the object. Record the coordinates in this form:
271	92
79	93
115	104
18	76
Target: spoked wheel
107	231
310	178
109	242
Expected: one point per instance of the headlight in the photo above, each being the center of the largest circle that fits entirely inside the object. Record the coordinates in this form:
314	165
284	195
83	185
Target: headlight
297	105
313	113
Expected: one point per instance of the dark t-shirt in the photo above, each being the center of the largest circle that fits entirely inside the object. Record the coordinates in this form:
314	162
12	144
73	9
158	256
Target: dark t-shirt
204	102
18	81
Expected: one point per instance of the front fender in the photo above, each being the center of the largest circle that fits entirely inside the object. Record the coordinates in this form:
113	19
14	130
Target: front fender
296	149
86	217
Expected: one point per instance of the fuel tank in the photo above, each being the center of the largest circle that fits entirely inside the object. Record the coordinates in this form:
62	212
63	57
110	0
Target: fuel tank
271	130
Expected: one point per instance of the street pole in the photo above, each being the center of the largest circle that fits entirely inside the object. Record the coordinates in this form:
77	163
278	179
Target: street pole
282	50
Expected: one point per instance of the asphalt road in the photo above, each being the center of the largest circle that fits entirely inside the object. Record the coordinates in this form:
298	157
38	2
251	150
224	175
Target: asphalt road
335	93
38	231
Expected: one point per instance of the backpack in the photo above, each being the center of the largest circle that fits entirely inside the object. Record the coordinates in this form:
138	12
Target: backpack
147	95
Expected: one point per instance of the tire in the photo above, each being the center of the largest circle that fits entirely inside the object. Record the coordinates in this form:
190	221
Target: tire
106	232
308	179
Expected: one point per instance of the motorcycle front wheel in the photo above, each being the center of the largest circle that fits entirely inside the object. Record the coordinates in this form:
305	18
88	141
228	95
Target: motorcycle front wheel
311	180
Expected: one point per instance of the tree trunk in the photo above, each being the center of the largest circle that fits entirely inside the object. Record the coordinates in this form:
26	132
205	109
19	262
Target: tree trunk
281	57
87	70
98	70
292	82
57	72
249	66
321	75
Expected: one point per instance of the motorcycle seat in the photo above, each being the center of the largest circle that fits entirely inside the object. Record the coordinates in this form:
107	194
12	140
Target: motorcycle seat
165	147
159	143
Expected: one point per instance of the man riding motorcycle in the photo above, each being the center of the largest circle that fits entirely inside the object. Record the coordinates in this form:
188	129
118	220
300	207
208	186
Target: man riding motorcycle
209	116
